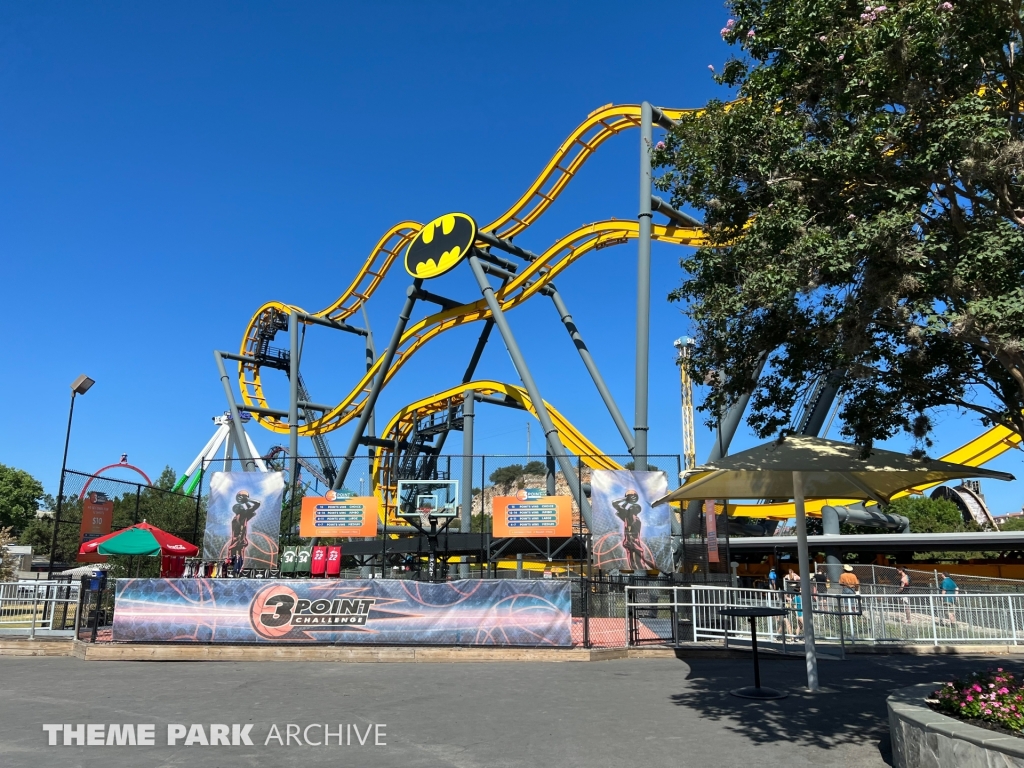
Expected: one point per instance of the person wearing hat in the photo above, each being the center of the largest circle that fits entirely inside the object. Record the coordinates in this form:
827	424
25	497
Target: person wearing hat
849	581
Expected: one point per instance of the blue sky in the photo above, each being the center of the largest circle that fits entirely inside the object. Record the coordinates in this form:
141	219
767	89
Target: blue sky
168	168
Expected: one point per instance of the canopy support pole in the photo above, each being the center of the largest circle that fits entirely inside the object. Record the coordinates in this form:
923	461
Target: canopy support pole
806	599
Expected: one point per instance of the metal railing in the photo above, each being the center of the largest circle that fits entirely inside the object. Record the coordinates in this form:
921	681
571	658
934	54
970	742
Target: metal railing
676	614
38	607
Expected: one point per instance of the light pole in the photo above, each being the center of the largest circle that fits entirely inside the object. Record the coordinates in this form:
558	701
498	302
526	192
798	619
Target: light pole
79	386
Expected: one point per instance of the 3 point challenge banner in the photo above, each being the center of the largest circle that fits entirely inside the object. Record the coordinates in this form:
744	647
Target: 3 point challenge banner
504	612
629	533
244	517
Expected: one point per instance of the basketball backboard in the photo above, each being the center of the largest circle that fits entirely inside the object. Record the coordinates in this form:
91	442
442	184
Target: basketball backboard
425	499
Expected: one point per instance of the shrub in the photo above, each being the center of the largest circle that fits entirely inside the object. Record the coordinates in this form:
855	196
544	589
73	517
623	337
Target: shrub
994	696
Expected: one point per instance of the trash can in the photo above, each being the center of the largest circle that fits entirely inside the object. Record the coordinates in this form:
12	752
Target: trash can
98	580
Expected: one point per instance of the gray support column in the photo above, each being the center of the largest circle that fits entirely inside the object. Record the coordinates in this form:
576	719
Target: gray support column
378	383
371	355
468	417
830	527
643	288
242	446
371	426
727	427
293	402
806	598
588	361
554	442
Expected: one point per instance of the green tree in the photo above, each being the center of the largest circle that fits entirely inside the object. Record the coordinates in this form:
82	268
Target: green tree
1012	524
931	515
20	497
506	477
863	202
650	467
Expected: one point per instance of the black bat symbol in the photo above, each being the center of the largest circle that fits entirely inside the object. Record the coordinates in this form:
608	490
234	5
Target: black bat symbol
440	245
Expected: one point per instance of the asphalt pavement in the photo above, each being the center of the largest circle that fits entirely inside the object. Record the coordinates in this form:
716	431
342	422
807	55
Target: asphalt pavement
625	713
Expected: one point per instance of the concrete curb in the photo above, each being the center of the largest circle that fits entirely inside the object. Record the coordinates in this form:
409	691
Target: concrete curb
923	737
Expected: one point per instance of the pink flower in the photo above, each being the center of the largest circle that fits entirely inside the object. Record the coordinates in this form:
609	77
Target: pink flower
822	39
711	67
750	34
730	23
976	687
723	32
946	7
660	145
842	56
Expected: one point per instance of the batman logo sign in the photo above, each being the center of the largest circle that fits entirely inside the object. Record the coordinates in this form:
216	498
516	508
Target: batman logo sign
440	245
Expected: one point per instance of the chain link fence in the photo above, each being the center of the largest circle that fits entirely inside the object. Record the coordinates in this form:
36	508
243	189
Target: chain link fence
177	513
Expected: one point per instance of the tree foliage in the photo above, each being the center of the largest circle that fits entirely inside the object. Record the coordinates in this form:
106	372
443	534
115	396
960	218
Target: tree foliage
931	515
7	562
863	204
1012	524
175	513
20	497
515	474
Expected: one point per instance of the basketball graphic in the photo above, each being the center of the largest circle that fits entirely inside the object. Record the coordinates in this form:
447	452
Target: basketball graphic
521	494
270	611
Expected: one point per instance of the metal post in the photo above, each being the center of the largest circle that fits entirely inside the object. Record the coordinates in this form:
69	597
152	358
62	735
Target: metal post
241	445
643	288
371	426
931	609
468	418
588	361
378	383
35	600
806	600
1013	619
60	490
753	648
554	442
293	404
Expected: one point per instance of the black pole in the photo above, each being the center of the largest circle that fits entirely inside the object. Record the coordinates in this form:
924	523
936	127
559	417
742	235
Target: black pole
60	491
96	616
753	647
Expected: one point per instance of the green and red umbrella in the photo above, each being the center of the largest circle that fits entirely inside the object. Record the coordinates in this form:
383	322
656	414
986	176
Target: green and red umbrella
141	539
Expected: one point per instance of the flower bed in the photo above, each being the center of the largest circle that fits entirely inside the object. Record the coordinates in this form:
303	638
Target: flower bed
994	697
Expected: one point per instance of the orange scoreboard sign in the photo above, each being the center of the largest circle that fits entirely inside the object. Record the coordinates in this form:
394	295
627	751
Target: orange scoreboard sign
530	515
335	515
97	516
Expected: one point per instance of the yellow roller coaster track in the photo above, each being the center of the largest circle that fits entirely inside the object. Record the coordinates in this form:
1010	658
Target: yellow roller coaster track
599	126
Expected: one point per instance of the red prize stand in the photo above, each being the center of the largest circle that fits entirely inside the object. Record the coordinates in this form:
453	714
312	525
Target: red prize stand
334	561
319	563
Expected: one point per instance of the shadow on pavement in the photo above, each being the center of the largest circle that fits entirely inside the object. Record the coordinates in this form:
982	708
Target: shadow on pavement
851	710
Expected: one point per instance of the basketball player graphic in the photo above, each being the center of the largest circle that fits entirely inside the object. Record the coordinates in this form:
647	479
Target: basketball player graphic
244	511
628	510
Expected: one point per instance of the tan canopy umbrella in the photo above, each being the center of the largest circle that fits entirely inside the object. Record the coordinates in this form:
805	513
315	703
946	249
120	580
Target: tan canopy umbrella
801	467
829	469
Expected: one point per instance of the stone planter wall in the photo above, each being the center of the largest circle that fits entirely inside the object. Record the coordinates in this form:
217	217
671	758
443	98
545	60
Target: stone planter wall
922	737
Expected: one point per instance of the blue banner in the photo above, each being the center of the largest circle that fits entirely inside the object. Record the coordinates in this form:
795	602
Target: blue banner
505	612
